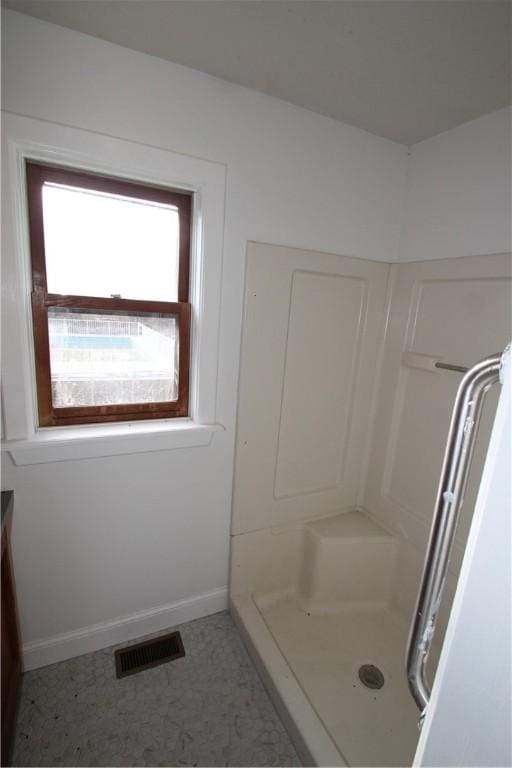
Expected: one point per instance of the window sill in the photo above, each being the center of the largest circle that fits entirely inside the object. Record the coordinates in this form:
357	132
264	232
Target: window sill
94	441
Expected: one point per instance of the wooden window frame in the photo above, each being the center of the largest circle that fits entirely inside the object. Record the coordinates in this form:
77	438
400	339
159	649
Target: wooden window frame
37	174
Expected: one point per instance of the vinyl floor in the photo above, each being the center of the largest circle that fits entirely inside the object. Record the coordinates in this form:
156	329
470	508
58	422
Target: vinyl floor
208	708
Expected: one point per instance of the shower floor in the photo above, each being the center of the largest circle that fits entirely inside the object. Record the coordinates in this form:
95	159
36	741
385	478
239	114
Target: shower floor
324	652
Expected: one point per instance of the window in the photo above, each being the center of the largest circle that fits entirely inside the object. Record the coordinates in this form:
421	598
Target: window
110	297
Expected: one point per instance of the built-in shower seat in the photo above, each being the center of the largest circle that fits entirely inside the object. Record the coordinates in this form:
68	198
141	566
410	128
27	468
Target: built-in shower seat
348	560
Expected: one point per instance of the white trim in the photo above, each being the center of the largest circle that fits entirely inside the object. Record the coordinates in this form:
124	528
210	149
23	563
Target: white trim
65	646
68	443
39	140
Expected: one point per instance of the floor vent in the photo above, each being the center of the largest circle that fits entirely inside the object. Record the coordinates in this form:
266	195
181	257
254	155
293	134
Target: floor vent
148	654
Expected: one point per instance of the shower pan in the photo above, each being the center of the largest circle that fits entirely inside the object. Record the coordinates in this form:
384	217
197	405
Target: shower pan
349	370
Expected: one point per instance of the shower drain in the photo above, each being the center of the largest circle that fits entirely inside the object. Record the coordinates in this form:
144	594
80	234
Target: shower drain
371	676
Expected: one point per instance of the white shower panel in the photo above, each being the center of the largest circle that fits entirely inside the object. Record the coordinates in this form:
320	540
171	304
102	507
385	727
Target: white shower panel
327	314
312	328
455	311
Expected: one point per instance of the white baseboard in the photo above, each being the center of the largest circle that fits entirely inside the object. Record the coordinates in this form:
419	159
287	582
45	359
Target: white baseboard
49	650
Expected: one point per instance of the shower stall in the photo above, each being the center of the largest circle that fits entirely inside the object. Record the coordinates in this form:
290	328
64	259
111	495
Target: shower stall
349	371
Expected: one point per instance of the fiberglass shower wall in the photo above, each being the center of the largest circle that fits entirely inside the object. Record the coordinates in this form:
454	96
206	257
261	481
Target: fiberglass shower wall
334	414
456	311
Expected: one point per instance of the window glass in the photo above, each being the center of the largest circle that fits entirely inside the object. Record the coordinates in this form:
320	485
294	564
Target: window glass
110	297
106	245
110	358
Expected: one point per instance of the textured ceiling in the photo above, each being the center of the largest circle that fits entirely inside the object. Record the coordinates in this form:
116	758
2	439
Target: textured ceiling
402	69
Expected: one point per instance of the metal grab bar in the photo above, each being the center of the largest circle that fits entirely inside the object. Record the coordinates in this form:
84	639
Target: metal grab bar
457	458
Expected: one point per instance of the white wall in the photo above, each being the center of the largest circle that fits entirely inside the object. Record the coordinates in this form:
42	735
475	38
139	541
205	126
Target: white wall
101	538
458	200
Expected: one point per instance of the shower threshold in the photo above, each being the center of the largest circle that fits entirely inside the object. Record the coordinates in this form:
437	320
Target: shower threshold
310	664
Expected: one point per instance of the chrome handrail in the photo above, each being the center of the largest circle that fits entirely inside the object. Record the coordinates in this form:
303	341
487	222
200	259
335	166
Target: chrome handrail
457	458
